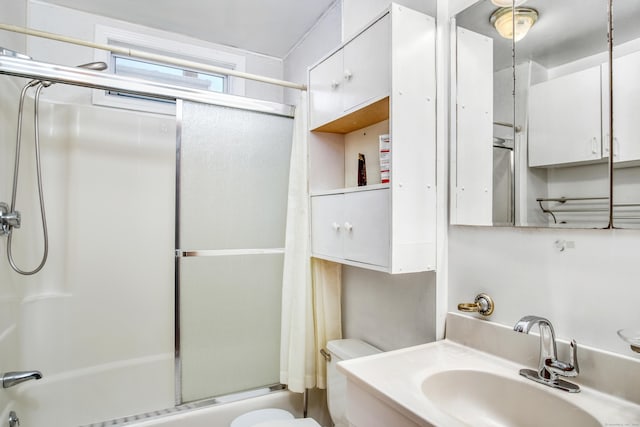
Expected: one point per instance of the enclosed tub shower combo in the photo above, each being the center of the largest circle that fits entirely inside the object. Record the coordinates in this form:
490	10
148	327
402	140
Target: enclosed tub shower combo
170	228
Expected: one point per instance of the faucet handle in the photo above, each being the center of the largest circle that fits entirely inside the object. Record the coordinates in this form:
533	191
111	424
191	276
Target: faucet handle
565	369
573	354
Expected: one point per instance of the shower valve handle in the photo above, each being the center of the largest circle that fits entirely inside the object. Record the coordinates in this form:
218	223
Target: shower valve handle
8	220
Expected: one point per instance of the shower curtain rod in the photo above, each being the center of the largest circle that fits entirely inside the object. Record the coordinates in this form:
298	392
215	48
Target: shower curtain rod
151	56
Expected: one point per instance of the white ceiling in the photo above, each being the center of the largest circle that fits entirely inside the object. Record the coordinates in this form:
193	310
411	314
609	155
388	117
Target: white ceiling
566	30
270	27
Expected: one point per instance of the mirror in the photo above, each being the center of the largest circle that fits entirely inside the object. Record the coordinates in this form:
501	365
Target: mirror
626	105
535	155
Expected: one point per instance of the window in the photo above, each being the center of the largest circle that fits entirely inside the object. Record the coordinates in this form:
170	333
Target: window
165	73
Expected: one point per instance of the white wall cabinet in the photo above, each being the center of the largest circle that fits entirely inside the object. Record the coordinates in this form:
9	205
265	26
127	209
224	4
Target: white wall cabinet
391	90
565	120
352	226
626	87
352	76
569	116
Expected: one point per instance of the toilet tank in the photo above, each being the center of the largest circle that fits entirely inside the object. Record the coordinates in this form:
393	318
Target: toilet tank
336	382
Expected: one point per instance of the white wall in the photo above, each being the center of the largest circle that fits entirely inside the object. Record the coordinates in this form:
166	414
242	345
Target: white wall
81	25
389	312
323	37
588	291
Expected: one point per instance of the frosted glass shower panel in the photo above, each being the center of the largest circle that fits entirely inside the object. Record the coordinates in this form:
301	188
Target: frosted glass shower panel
234	177
230	323
233	184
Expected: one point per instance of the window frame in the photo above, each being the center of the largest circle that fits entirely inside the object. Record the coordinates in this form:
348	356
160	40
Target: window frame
160	44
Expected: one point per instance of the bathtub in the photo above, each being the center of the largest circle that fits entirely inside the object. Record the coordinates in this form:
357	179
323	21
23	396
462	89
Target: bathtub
221	415
137	392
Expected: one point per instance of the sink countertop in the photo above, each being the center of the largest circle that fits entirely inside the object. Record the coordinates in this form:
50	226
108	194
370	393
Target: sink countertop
396	378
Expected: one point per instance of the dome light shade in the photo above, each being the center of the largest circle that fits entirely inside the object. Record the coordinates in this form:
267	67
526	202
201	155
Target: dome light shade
520	21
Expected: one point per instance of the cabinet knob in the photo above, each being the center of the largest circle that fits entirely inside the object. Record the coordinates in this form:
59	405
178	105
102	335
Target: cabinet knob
335	226
348	74
334	84
348	226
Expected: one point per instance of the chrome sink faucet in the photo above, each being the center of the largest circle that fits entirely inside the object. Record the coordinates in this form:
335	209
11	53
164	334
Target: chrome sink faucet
549	367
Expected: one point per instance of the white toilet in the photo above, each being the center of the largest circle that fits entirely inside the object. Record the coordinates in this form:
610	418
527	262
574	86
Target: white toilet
336	392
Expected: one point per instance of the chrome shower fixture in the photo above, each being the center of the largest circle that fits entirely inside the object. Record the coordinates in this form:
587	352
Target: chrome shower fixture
95	66
9	215
8	52
8	220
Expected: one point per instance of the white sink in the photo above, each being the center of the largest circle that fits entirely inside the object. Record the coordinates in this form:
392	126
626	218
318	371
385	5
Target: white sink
451	385
484	399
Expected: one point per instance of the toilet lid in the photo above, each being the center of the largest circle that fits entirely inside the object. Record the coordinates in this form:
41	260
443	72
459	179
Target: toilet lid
250	419
298	422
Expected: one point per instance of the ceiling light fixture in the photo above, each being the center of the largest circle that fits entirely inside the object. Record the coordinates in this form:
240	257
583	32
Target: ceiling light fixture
519	21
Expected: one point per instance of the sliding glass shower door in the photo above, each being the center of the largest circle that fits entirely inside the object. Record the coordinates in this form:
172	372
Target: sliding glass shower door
233	168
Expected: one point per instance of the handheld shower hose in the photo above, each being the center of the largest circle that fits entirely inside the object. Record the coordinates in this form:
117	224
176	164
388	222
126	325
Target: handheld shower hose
38	84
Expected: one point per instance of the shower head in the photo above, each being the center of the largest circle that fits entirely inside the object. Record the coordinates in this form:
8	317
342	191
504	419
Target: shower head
95	66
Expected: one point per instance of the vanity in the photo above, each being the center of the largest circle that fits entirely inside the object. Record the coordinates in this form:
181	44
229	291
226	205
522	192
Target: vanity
471	379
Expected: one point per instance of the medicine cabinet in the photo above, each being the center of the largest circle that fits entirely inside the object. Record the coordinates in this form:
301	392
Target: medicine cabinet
542	157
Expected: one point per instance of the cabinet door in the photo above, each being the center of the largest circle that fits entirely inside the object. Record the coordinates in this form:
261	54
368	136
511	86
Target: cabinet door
626	86
366	227
325	89
564	119
367	65
327	220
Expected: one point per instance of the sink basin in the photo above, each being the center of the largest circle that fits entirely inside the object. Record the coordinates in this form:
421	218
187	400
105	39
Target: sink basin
484	399
450	384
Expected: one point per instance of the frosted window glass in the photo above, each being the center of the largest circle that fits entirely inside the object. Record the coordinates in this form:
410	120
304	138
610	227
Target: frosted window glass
234	178
230	324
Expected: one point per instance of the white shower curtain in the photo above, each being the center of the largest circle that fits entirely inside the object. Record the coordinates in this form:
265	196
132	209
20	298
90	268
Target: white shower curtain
304	330
327	281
